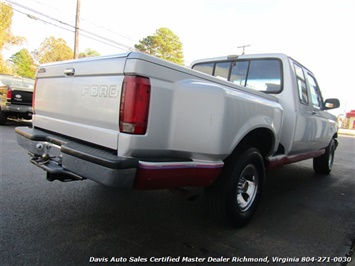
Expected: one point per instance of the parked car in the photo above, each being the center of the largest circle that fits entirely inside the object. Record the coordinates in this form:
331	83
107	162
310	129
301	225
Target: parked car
15	97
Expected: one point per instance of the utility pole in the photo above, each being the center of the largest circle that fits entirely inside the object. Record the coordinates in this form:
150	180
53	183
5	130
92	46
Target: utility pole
77	22
243	46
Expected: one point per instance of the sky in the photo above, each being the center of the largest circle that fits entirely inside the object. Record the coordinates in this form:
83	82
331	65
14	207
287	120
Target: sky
320	34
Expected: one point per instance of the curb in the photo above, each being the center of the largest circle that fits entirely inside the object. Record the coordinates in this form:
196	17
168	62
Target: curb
348	132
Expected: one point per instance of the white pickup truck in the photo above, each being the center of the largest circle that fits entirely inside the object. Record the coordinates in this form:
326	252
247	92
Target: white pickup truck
135	121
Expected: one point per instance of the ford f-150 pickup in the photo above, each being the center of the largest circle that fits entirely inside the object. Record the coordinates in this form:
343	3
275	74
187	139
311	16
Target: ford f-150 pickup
136	121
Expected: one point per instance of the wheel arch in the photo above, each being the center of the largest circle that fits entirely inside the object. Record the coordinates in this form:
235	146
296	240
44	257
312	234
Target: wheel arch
261	138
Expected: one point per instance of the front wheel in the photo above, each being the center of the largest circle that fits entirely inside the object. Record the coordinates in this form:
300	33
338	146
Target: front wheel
237	192
324	164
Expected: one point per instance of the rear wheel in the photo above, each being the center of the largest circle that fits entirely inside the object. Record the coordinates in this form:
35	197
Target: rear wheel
236	194
324	164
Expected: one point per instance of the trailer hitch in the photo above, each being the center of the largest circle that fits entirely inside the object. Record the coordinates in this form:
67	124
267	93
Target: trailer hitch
53	166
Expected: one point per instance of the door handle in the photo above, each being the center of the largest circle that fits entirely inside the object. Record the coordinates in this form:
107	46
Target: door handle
314	113
69	71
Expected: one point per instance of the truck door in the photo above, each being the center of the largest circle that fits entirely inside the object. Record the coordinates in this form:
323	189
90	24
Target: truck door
319	116
305	130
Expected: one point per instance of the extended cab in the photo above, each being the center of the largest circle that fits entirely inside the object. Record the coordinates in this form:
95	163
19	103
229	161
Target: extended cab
15	97
135	121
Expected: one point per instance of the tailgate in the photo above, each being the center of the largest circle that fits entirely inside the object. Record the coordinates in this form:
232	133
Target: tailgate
81	98
21	97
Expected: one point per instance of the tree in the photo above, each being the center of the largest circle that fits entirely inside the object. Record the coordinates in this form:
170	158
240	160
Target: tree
23	64
53	50
88	53
7	39
147	45
5	67
163	44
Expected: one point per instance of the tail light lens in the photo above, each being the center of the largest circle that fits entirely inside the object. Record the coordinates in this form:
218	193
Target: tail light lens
9	94
134	108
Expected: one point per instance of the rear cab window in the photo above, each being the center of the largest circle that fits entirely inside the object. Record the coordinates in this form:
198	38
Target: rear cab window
205	68
222	70
263	75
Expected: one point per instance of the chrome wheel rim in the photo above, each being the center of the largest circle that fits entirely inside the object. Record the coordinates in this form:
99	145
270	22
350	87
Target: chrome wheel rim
247	187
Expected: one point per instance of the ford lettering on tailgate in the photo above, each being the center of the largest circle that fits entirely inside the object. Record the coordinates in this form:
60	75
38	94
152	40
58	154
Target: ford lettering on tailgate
108	91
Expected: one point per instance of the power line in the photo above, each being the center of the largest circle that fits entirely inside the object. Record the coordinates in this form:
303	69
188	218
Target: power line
55	9
39	13
88	21
89	32
42	20
55	25
106	41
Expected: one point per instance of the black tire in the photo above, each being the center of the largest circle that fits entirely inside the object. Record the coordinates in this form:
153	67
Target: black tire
235	195
3	118
324	164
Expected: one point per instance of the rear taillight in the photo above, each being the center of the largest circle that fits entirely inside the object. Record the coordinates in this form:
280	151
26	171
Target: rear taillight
134	107
9	94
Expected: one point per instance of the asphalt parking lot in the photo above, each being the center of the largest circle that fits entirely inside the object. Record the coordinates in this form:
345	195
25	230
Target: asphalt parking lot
302	216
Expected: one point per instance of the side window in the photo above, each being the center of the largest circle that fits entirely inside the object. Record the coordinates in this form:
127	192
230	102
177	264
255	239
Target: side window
301	84
264	75
205	68
222	70
315	92
239	72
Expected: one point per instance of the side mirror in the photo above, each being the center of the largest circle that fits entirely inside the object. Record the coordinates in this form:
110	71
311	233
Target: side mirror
331	104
